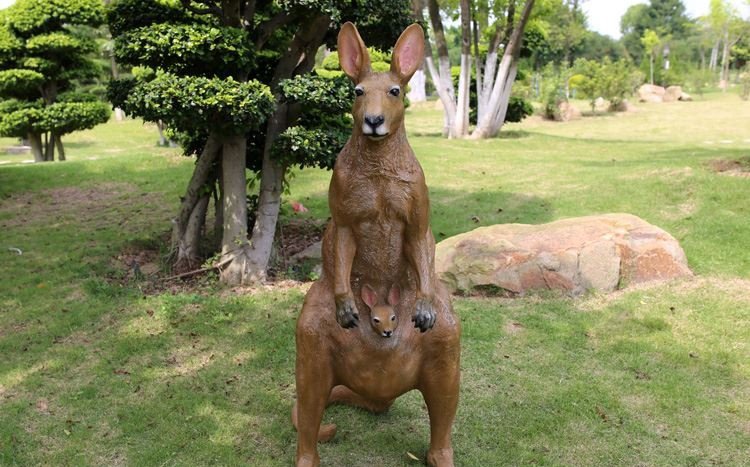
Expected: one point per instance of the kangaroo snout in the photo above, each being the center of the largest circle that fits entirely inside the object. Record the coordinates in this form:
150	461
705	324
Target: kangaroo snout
373	125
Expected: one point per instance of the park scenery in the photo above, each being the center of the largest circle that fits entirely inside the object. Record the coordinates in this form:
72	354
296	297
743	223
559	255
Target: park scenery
165	211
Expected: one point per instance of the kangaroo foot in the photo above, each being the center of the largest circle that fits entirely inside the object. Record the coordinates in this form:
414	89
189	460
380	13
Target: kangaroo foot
326	433
307	461
424	315
440	458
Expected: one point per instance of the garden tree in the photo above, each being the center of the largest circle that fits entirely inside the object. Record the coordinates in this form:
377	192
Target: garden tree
43	59
618	81
461	123
440	74
114	70
667	18
232	80
596	46
650	41
490	122
728	28
567	29
588	80
633	25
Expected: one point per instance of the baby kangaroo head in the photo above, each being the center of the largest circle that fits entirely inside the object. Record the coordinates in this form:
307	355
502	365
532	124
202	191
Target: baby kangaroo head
382	316
379	103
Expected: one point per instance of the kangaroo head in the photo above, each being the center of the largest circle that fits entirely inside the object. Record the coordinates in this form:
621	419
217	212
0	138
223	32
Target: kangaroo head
379	103
382	317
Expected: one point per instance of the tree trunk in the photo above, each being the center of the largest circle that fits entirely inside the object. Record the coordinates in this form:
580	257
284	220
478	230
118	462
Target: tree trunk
441	77
499	120
714	55
724	79
35	141
417	86
162	139
188	254
60	147
49	147
477	62
486	126
234	243
183	245
218	209
461	124
249	260
651	67
490	64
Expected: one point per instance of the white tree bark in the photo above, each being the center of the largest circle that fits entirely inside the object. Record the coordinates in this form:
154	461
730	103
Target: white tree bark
461	123
714	55
498	100
441	76
417	87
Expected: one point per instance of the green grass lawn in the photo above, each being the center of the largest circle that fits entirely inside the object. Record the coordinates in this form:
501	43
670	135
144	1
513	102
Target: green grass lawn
97	370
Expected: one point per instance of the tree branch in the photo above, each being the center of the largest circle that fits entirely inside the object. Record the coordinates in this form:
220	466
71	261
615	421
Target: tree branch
266	29
210	9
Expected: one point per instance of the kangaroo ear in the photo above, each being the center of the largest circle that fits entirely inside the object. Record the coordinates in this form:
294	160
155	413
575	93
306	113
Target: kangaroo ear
369	296
394	295
353	56
408	52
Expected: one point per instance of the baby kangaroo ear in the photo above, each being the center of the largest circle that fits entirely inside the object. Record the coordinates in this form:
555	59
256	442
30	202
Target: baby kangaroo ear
353	56
369	296
408	52
394	295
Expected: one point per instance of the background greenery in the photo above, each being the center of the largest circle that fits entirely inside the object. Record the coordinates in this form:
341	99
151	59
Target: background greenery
100	367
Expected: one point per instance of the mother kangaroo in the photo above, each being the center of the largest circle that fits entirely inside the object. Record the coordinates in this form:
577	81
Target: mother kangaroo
379	236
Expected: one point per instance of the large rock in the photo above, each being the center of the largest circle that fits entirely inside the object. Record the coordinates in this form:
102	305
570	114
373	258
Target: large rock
673	94
601	105
566	112
651	93
596	253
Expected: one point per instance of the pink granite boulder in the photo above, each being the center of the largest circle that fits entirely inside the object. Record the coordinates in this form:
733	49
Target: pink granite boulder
596	253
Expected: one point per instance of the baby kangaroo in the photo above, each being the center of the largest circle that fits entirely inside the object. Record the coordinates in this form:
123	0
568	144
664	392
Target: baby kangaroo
382	317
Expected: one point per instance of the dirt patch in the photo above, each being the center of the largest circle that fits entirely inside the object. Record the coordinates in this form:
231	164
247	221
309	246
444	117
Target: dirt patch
292	237
138	263
102	203
732	167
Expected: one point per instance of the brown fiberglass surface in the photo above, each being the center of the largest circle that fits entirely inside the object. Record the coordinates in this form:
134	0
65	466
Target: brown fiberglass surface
378	262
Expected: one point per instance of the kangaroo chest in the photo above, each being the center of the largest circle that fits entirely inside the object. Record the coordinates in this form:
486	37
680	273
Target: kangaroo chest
378	208
377	199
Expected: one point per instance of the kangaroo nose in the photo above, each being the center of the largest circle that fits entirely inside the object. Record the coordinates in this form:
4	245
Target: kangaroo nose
387	333
374	121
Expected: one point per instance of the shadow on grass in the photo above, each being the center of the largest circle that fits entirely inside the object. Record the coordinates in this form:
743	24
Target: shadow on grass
458	211
514	134
673	158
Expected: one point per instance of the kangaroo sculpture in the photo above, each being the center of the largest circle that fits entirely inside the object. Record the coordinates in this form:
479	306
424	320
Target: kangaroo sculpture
379	237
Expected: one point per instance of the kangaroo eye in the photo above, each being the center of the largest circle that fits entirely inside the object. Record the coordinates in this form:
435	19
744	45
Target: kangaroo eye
395	91
377	320
393	318
358	91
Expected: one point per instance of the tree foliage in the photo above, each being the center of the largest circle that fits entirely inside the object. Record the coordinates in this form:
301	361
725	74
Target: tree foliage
233	78
43	53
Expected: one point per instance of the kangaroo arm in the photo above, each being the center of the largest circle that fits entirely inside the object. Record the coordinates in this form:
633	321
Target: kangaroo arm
420	245
344	249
